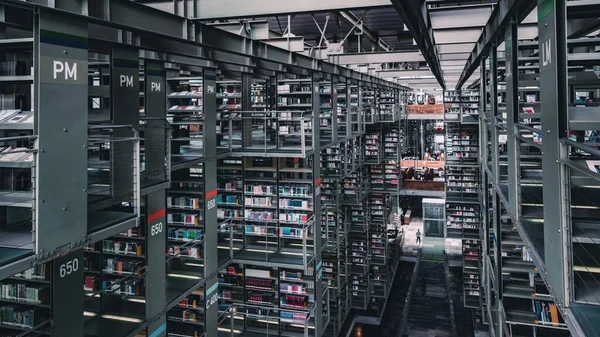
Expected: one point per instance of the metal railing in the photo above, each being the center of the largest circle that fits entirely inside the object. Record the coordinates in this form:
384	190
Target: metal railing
263	319
116	162
18	165
270	229
276	132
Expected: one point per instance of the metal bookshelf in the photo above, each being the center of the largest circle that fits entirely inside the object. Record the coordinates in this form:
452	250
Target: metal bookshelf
540	241
162	116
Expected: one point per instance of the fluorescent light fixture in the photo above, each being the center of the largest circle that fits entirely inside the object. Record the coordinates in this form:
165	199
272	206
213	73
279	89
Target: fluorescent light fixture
291	253
227	248
229	330
122	318
260	251
267	322
191	277
194	264
136	300
89	314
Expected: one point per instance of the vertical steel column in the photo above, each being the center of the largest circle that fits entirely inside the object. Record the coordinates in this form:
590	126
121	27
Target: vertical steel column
61	89
156	225
498	261
511	57
316	167
483	231
348	84
156	246
552	25
67	295
211	261
483	149
494	111
334	111
155	134
247	106
125	102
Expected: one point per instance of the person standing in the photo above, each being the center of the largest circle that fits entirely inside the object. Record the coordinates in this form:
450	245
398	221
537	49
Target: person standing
423	286
418	236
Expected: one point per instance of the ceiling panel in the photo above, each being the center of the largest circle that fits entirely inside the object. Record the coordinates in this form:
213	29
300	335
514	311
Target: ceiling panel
455	48
460	17
466	35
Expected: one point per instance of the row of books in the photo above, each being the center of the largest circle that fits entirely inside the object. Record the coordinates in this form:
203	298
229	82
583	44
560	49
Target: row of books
123	247
38	272
36	294
120	266
295	203
231	186
294	301
131	288
228	199
183	202
260	189
185	234
178	250
20	316
258	201
184	218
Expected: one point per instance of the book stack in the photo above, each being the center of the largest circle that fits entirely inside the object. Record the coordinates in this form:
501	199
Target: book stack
123	247
122	267
19	316
90	283
183	202
184	218
24	293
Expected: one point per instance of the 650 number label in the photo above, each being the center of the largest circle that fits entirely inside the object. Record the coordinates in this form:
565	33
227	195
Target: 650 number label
156	228
210	204
68	268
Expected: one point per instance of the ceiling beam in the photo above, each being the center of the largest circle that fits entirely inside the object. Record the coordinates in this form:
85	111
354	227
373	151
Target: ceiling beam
415	15
229	9
404	73
374	58
459	16
494	28
354	21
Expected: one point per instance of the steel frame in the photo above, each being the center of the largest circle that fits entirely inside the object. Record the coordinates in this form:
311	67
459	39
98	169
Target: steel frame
553	264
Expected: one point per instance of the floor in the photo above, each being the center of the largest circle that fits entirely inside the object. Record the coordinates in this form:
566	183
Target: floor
432	247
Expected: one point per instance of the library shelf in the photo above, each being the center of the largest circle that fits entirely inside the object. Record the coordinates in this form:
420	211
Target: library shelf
18	149
25	301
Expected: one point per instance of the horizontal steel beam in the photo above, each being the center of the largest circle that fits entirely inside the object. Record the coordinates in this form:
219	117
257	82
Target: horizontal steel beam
455	48
404	73
459	17
494	29
371	58
416	17
191	39
227	9
353	20
457	35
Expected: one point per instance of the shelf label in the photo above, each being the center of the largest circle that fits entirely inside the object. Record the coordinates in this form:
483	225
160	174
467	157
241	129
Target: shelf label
157	227
69	69
211	201
546	52
212	295
155	86
63	71
318	186
69	267
210	89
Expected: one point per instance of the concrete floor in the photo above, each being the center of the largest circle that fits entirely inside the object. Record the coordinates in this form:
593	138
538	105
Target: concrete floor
430	245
